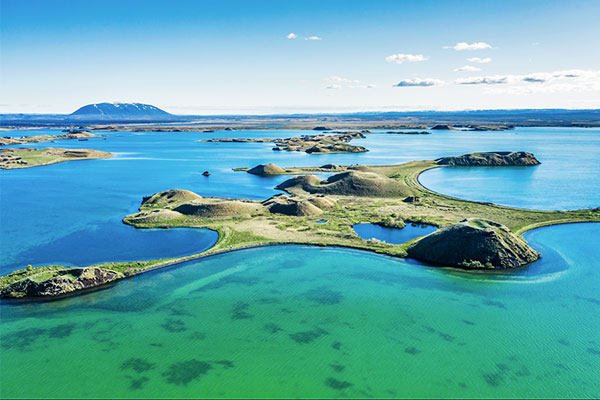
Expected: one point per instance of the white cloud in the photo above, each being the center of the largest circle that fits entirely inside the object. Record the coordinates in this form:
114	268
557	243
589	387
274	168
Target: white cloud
483	80
419	82
313	38
400	58
337	82
479	60
539	82
292	36
469	46
469	68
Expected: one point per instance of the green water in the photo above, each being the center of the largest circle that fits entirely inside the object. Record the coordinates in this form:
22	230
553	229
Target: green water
297	321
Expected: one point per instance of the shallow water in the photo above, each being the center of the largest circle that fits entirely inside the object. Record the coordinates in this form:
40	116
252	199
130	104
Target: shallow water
392	235
319	322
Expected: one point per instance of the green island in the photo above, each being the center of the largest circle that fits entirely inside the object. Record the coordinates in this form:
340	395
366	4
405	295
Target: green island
70	134
335	142
13	158
488	235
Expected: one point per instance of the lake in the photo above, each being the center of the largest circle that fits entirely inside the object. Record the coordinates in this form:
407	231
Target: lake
296	320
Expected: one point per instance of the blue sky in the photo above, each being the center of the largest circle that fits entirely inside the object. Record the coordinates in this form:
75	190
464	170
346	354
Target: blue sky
209	57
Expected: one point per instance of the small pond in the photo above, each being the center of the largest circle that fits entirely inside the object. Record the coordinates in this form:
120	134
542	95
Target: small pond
392	235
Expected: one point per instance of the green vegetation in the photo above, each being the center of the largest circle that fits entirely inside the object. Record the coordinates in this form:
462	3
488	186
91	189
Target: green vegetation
389	195
13	158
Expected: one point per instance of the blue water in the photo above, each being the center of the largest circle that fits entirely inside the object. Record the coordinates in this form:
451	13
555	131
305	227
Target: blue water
392	235
51	204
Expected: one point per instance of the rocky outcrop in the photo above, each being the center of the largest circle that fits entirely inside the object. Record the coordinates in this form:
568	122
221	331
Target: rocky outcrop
349	183
475	244
266	170
441	127
490	159
59	283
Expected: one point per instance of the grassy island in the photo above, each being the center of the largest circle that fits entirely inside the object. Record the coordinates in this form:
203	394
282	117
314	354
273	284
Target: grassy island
390	195
13	158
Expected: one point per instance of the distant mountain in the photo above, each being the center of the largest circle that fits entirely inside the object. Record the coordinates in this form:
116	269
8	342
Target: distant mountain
120	110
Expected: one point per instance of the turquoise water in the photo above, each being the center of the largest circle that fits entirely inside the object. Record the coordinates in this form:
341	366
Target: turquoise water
299	321
290	320
84	201
392	235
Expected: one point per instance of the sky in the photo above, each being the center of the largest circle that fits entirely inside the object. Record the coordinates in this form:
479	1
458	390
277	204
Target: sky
264	57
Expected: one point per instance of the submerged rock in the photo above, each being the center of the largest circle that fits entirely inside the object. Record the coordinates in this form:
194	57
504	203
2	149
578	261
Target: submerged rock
474	243
490	159
61	282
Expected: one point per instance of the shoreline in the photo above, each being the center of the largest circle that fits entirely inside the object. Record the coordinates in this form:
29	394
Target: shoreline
210	253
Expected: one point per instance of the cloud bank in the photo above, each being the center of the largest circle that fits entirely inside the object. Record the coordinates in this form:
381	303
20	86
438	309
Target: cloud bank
313	38
419	82
460	46
479	60
469	68
337	82
401	58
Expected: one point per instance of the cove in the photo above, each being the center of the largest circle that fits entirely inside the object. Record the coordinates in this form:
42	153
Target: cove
392	235
319	322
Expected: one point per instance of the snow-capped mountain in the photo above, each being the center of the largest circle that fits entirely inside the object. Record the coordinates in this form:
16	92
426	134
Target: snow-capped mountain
120	110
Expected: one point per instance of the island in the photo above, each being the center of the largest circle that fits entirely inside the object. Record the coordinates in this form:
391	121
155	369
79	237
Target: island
71	134
390	195
311	144
13	158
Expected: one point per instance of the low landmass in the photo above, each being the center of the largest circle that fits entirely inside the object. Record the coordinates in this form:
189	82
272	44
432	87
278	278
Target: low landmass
13	158
390	195
490	159
75	134
311	144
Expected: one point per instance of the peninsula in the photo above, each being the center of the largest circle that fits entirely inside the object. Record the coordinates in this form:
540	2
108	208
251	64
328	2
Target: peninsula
13	158
390	195
76	134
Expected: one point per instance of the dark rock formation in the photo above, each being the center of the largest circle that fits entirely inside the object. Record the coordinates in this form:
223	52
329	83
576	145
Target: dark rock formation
206	173
60	282
474	243
491	159
442	128
266	170
321	128
412	199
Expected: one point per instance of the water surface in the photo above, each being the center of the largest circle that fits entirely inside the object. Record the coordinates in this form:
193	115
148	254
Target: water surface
318	322
392	235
